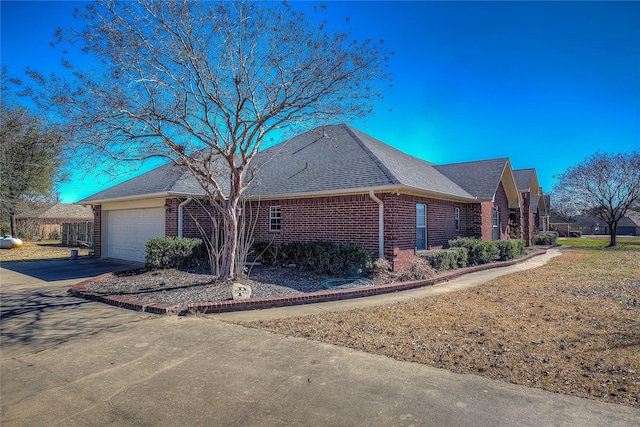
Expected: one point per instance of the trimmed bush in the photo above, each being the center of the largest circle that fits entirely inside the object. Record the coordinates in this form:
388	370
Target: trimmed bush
319	257
445	259
510	249
173	252
480	252
547	238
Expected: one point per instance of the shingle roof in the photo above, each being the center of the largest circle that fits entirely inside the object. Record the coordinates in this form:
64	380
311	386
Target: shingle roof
169	179
60	211
479	178
588	221
339	157
326	159
523	178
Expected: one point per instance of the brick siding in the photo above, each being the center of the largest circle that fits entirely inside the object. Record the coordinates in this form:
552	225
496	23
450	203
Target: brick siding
97	231
354	219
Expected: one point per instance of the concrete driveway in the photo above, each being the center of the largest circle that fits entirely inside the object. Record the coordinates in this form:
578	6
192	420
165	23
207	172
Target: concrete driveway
67	361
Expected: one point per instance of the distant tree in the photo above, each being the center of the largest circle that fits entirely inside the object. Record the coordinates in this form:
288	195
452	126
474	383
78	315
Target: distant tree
206	84
29	159
603	185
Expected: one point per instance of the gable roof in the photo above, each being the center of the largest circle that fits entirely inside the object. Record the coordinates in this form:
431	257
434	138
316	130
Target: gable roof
482	178
326	160
526	179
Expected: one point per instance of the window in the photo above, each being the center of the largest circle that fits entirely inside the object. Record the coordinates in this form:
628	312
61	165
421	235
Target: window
274	218
456	217
421	227
496	224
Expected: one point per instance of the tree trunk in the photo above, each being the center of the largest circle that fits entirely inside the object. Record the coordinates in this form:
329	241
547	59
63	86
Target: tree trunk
12	220
230	217
613	231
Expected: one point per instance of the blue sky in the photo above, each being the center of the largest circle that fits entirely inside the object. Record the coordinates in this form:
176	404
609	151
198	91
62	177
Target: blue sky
543	83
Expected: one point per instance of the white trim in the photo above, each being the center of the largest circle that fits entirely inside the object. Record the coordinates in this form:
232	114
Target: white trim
273	217
180	214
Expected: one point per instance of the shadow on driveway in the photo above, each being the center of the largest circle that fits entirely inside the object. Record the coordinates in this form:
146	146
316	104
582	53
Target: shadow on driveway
37	315
53	271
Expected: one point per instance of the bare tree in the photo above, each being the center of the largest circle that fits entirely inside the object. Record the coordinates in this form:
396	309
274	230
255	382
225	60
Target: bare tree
603	185
206	84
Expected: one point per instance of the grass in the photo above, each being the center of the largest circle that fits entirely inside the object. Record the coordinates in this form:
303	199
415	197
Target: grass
42	250
571	326
599	241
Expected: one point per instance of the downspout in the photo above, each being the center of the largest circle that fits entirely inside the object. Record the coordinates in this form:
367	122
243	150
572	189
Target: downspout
380	223
186	202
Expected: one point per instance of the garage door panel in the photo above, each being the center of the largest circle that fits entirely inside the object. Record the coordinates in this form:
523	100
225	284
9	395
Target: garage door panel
128	230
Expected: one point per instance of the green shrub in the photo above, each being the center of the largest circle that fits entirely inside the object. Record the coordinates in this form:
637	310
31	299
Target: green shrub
546	238
173	252
268	253
510	249
462	256
319	257
444	259
480	252
54	235
575	233
356	261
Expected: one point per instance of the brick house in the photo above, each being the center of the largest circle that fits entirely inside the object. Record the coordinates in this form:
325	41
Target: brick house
331	183
534	209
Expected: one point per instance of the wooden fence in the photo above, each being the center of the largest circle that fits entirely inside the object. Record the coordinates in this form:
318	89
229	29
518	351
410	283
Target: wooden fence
74	233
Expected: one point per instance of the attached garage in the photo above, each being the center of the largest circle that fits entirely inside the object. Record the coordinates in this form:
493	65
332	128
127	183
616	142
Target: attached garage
127	231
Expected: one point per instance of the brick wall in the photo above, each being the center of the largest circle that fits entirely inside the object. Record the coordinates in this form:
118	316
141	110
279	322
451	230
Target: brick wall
97	231
171	218
342	219
351	219
483	216
527	218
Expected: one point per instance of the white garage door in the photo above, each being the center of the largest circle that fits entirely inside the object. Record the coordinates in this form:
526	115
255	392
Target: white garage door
128	231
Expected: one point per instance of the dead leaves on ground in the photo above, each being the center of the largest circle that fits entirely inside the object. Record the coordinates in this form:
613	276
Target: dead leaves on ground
571	326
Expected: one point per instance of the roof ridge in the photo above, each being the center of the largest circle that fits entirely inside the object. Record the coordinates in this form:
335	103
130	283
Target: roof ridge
475	161
372	156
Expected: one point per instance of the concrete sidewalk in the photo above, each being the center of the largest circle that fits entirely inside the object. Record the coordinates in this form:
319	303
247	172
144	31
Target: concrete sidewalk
84	363
463	282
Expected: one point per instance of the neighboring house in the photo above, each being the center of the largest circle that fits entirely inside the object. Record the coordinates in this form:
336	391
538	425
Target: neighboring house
635	217
331	183
534	208
44	222
592	225
559	224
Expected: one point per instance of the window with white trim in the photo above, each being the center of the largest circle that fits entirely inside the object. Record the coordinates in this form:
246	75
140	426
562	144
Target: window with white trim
275	216
456	217
421	227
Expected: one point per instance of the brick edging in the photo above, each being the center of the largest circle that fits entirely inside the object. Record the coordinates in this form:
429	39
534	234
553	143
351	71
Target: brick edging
82	290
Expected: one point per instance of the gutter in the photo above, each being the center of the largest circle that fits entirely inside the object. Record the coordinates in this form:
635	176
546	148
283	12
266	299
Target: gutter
380	223
186	202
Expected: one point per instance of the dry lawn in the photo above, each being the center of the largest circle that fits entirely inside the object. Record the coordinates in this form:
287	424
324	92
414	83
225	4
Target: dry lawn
572	326
46	249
